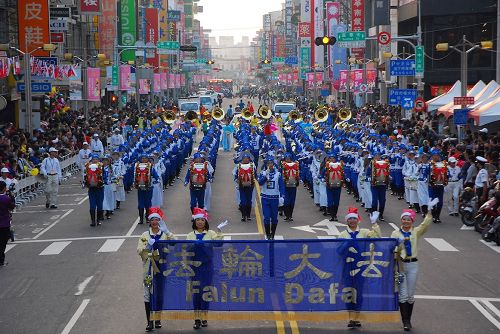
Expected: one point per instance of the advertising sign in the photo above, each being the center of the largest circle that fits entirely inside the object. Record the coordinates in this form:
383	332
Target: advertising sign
93	84
33	20
127	28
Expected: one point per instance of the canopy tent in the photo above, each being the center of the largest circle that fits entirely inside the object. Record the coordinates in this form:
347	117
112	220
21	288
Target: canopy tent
487	113
447	109
446	98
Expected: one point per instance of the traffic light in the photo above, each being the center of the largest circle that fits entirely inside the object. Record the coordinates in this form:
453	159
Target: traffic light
210	62
266	61
114	100
325	40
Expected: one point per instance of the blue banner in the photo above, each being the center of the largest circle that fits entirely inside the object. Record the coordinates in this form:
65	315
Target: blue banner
402	67
402	97
460	116
284	275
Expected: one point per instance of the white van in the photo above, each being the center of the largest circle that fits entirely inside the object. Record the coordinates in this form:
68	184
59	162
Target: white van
208	101
186	105
283	109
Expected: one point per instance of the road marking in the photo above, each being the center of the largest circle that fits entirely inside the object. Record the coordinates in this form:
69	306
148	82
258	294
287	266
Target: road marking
78	199
55	217
83	200
132	229
486	314
40	211
69	195
55	248
279	237
432	297
326	237
75	317
280	325
227	237
394	226
258	218
467	228
491	307
111	245
50	210
37	230
293	324
441	245
52	225
83	285
491	245
9	247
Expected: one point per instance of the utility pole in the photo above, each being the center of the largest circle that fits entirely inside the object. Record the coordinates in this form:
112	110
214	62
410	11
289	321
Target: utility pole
420	86
498	38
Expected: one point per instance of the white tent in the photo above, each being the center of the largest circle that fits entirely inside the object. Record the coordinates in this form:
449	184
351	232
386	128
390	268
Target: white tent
446	98
489	93
447	109
487	113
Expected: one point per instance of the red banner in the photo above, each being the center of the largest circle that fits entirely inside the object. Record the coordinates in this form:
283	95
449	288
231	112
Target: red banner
107	28
305	29
358	24
90	6
33	18
152	33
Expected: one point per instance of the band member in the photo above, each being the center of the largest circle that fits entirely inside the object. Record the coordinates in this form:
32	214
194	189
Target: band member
423	172
333	174
51	170
83	156
454	186
290	171
116	140
109	202
437	181
411	181
256	144
94	181
244	175
197	177
379	170
406	254
271	194
159	167
203	273
353	232
398	162
96	145
157	231
315	170
143	182
119	171
227	135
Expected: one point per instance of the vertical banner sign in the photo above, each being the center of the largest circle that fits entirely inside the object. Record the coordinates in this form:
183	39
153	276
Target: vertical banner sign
171	80
107	28
144	86
152	33
305	61
358	24
371	77
334	52
319	31
75	85
125	77
163	81
419	61
92	7
163	27
289	48
114	79
177	81
33	18
127	28
156	82
93	84
267	36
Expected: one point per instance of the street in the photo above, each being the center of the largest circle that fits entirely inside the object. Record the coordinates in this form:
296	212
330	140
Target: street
64	276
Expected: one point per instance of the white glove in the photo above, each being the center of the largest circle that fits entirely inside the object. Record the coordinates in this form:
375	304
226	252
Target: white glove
163	227
374	217
221	226
401	239
151	241
432	203
281	201
264	173
185	184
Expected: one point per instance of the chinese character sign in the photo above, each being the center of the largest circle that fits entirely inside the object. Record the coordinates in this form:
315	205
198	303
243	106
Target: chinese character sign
107	27
144	86
33	17
90	6
93	84
125	77
152	33
127	28
298	275
358	23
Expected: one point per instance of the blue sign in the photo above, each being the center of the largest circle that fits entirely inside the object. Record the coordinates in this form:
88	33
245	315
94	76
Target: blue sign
403	97
402	67
36	87
48	60
257	275
291	60
460	116
173	15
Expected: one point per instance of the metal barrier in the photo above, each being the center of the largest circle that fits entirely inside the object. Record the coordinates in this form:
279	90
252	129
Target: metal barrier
30	187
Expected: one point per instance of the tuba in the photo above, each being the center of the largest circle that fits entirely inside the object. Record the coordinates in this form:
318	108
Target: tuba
295	115
321	115
246	114
345	114
191	115
218	114
264	112
169	117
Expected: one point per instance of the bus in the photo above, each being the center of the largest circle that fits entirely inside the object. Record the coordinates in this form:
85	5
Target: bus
224	86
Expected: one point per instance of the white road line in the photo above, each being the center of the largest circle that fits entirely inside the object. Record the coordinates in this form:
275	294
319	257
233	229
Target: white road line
441	245
491	307
50	210
55	217
69	195
55	248
467	228
227	237
83	200
279	237
52	225
326	237
394	226
83	285
75	317
111	245
40	211
486	314
132	229
432	297
491	245
9	247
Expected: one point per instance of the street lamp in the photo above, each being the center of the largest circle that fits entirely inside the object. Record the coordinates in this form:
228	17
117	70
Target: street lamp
27	78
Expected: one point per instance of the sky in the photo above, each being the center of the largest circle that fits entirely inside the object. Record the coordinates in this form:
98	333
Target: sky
235	17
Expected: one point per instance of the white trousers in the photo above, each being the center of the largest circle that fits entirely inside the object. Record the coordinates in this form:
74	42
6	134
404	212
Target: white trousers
423	193
407	287
323	200
452	194
316	191
208	195
51	189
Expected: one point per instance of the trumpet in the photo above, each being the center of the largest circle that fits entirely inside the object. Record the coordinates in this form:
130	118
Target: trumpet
264	112
169	117
218	114
246	114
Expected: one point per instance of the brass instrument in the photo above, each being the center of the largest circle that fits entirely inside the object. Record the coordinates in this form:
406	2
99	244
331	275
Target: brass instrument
321	115
169	117
218	114
264	112
345	114
295	115
246	114
191	115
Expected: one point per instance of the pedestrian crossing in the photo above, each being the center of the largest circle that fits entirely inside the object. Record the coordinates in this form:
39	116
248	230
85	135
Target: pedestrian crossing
111	245
55	248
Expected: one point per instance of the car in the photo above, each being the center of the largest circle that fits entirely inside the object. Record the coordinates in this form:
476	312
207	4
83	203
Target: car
187	105
283	109
208	101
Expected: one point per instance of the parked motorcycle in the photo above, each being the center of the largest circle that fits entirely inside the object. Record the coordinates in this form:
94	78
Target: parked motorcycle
493	233
468	205
487	214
